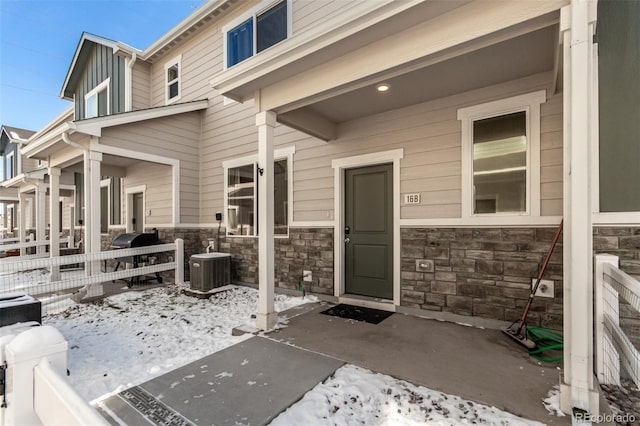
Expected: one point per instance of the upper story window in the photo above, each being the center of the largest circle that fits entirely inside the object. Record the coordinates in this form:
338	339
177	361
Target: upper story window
501	156
10	165
265	25
172	75
96	102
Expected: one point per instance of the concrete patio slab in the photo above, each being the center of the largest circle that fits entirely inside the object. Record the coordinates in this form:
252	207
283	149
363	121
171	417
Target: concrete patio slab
481	365
248	383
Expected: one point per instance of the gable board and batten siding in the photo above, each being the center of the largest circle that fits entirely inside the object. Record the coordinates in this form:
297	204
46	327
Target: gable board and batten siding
101	64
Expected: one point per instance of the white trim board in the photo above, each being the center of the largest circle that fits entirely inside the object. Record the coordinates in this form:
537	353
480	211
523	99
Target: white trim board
493	222
278	154
340	165
616	219
529	103
173	162
129	193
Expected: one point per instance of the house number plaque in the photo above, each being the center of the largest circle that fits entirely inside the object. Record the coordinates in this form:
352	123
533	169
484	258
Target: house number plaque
412	198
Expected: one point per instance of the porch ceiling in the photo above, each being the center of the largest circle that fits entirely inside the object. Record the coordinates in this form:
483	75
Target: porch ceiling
515	58
111	165
425	49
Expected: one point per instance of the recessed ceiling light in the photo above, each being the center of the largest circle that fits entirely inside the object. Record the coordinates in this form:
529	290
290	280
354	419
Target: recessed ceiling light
383	87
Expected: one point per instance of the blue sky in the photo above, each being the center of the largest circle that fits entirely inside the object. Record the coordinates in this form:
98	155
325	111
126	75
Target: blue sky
38	40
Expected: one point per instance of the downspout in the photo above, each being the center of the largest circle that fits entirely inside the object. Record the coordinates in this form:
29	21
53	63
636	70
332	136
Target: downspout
87	189
129	88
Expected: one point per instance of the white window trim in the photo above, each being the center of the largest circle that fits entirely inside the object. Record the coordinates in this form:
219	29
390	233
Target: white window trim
107	183
278	154
530	103
175	61
13	172
253	12
99	88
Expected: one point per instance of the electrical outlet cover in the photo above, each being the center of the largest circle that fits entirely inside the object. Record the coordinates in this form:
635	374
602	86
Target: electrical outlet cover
545	289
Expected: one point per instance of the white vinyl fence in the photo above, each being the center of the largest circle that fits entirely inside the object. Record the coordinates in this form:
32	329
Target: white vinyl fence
614	349
45	279
9	244
36	390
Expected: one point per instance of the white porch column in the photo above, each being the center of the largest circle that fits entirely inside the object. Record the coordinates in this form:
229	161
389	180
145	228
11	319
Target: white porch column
92	209
266	317
578	394
22	220
54	219
41	221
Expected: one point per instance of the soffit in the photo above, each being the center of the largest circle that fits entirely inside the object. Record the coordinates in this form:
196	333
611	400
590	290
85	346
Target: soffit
512	59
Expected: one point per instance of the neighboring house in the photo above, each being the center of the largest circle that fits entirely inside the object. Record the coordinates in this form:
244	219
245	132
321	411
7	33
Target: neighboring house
414	156
11	138
15	167
25	186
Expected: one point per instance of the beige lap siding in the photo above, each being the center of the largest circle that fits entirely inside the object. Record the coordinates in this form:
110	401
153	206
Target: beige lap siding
158	195
430	135
176	137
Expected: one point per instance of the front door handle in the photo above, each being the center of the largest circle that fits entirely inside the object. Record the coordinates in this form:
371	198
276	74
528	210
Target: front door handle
347	240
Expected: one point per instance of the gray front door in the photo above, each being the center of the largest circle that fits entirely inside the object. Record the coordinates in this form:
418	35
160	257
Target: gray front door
369	231
138	213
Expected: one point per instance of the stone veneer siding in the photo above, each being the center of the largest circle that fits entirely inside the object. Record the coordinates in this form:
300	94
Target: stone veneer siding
484	272
304	249
623	242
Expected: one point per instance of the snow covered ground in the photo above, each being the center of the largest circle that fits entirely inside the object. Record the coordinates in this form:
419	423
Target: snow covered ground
356	396
132	337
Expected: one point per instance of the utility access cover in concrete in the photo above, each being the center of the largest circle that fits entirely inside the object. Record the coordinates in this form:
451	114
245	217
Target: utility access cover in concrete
248	383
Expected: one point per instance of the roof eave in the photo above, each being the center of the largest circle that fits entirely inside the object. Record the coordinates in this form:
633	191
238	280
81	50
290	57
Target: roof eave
94	126
52	124
115	45
39	144
278	57
191	20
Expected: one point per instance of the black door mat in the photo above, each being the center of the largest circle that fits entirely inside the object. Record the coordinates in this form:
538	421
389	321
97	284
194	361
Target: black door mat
358	313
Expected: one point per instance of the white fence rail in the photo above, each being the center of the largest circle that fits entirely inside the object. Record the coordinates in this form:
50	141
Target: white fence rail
36	391
614	349
5	241
61	286
68	241
57	403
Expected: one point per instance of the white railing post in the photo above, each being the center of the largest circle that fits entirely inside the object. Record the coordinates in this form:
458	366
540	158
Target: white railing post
23	353
606	302
179	261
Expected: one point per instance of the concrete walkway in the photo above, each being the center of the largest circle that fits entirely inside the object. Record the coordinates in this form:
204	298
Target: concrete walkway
253	381
481	365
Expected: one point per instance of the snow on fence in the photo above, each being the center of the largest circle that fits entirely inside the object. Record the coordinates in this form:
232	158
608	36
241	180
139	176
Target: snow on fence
44	279
614	349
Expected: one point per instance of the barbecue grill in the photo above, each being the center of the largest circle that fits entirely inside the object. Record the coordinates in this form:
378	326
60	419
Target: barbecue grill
134	240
